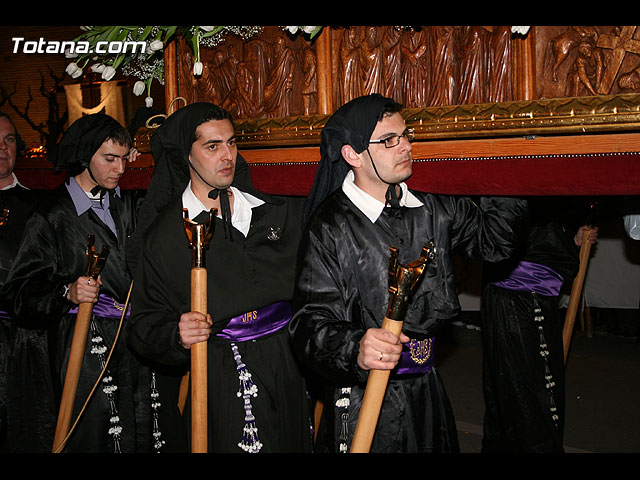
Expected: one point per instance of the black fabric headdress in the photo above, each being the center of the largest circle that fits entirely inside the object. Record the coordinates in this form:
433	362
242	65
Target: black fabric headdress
79	143
352	124
170	145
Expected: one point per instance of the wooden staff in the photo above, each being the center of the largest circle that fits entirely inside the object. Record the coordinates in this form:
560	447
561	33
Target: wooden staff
402	281
576	287
95	263
199	236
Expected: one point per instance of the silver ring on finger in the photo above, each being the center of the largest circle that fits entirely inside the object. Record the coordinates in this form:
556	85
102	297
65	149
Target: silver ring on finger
381	355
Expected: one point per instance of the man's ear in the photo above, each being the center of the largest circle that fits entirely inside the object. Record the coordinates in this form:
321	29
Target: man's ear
350	156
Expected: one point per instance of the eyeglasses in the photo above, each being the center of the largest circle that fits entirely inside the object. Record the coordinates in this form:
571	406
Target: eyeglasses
409	134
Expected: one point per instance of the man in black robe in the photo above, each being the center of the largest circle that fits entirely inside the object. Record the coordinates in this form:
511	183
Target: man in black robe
27	406
48	280
358	208
256	394
523	351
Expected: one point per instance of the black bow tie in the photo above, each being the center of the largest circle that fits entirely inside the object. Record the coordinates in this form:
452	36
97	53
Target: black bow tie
392	197
225	207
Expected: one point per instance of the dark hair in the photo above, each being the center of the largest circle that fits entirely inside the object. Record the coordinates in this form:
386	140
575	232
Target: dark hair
390	108
215	113
121	136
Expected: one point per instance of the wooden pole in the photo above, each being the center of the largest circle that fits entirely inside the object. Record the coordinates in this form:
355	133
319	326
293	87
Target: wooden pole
199	236
372	400
199	423
94	265
74	366
576	293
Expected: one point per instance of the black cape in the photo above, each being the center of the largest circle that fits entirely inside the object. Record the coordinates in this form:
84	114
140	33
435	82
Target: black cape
342	290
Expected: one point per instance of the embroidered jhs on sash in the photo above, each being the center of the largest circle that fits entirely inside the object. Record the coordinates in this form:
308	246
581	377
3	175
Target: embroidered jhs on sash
257	323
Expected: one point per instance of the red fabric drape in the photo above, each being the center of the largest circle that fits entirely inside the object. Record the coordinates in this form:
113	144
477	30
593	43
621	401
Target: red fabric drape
592	174
609	174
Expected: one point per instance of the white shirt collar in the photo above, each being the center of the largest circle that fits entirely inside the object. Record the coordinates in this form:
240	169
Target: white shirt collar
242	205
370	206
15	183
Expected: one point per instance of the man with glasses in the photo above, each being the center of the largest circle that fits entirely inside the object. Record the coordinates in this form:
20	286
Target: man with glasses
359	207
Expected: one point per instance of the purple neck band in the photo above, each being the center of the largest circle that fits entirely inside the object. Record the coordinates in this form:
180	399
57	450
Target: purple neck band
416	357
533	277
106	307
4	315
257	323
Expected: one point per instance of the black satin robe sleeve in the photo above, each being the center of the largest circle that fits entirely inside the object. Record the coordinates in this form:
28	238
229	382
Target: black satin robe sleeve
491	230
160	292
325	333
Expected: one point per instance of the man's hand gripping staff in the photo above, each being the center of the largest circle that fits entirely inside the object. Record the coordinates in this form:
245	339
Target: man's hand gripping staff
402	282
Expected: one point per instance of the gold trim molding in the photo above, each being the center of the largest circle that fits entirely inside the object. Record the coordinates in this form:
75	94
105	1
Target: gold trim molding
556	116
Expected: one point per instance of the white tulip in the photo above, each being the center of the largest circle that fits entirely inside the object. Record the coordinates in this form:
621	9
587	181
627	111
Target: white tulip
156	46
108	73
207	29
98	68
197	68
69	53
73	70
291	29
308	29
520	30
138	88
148	102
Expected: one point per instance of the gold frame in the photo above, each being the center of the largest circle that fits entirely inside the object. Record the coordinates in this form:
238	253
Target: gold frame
555	116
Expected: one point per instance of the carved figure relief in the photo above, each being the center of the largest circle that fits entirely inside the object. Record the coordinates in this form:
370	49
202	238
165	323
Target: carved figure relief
310	86
274	74
414	69
350	65
270	75
443	74
588	60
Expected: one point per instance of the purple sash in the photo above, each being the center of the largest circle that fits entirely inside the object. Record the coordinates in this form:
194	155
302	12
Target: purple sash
257	323
4	315
533	277
105	307
416	357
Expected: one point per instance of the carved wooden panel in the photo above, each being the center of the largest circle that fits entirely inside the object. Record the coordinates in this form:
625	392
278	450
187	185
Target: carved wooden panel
455	81
275	74
271	75
575	61
424	66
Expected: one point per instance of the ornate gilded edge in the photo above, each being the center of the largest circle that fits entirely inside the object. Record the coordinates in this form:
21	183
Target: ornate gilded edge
571	115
